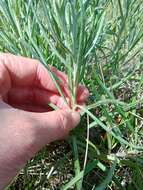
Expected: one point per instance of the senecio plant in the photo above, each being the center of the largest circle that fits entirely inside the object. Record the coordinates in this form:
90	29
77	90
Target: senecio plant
74	30
101	38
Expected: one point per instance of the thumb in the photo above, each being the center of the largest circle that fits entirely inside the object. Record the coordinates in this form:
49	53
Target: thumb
55	125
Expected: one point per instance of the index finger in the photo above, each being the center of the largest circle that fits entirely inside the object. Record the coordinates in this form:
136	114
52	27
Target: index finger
18	71
27	72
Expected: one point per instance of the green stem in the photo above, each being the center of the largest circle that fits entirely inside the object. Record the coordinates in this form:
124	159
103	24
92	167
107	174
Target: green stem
76	161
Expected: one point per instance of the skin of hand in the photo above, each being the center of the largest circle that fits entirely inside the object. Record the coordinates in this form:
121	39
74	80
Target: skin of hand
26	122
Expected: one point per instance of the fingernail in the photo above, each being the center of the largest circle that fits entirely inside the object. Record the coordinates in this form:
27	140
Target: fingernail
86	92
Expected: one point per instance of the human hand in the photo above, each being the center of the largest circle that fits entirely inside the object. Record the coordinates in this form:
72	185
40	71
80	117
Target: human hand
27	124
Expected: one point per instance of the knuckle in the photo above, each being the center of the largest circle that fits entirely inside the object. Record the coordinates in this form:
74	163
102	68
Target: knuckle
64	121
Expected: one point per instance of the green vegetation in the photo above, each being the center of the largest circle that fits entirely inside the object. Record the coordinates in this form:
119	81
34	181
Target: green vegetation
98	43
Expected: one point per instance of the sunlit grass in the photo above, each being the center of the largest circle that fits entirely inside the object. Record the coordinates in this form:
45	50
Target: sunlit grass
98	44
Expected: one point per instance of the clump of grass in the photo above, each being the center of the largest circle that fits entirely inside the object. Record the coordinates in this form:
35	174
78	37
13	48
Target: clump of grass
97	43
71	36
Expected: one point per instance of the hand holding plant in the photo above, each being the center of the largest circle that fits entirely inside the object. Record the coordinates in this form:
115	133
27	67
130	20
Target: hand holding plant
27	124
98	44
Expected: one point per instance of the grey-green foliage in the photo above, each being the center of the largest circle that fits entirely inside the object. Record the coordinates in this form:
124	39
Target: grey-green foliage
98	43
72	29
